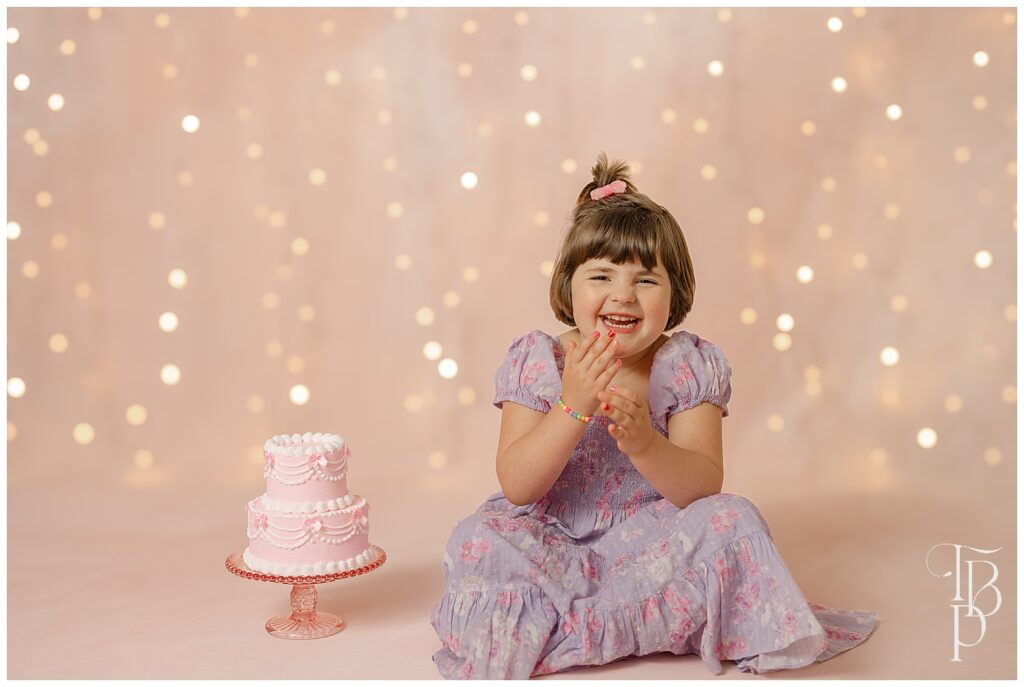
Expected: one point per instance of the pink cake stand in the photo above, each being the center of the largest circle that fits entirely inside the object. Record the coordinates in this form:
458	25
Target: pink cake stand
303	622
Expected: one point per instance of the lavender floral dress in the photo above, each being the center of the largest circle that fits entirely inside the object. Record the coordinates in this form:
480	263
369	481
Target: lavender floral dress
603	567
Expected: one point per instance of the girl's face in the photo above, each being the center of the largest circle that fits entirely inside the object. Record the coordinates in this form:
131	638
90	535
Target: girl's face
601	288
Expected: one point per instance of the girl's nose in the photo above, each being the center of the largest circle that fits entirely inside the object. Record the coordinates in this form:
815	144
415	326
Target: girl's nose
624	294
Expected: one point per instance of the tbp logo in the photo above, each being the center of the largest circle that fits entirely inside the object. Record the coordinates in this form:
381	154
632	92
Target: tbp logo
972	609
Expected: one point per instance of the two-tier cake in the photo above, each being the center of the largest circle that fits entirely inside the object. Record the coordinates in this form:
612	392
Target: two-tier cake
307	523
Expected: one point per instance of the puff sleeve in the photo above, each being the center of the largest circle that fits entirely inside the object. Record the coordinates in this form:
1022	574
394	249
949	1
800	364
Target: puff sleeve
686	372
529	374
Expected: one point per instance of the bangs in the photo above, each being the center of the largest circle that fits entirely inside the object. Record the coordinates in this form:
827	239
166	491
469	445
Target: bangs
630	239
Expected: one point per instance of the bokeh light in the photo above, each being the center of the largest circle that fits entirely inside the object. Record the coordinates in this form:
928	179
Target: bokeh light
299	394
425	316
448	368
889	356
83	433
168	322
58	343
136	414
927	437
16	387
177	278
157	220
432	350
170	374
451	299
782	341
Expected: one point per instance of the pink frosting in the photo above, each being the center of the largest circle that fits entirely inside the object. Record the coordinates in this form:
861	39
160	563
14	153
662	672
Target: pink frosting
302	479
313	490
268	530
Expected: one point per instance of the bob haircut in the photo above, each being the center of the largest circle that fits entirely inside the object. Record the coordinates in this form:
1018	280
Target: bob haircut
623	227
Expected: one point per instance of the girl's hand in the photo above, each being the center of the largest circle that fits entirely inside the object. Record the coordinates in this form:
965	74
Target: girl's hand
589	368
632	431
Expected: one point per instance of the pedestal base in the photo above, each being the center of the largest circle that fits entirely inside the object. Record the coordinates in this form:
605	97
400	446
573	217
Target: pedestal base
303	622
315	627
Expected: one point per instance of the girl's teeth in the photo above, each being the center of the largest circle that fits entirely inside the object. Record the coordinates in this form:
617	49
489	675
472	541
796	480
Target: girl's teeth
619	325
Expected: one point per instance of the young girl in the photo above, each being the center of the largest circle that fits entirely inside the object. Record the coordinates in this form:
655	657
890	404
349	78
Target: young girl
611	536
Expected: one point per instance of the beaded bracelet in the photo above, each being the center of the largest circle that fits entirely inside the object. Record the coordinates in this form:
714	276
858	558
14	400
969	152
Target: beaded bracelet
579	416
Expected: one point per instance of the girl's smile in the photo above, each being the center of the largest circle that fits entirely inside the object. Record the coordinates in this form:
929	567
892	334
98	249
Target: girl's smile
620	323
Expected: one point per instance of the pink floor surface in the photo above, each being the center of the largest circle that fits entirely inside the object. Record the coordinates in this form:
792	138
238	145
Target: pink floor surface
133	585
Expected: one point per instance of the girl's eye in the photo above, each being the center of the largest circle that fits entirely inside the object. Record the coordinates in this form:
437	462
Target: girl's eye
649	281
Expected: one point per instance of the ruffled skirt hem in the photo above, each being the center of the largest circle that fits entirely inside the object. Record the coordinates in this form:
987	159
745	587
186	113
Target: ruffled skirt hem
738	604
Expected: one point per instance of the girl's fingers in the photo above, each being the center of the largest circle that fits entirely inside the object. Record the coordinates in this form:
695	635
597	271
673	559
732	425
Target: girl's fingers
604	357
627	400
605	378
629	395
616	413
593	355
586	345
625	403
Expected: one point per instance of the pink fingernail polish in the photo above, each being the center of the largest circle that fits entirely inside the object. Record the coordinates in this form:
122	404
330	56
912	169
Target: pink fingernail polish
611	388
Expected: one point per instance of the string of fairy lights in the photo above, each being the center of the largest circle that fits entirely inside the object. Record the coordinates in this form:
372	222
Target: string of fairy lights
432	350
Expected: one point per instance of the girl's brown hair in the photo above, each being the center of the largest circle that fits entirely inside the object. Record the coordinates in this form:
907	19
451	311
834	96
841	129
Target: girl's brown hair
622	227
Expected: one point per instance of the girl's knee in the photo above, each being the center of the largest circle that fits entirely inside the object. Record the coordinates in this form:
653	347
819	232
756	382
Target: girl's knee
466	530
746	508
735	507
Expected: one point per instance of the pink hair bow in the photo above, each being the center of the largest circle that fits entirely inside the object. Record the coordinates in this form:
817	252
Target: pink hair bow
617	186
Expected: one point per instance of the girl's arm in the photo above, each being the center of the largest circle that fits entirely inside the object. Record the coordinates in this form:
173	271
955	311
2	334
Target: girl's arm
533	448
681	475
686	466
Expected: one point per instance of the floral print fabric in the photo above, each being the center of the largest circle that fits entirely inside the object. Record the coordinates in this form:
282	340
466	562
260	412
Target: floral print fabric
602	567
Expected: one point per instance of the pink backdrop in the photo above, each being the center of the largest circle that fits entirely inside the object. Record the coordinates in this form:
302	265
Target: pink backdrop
320	205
